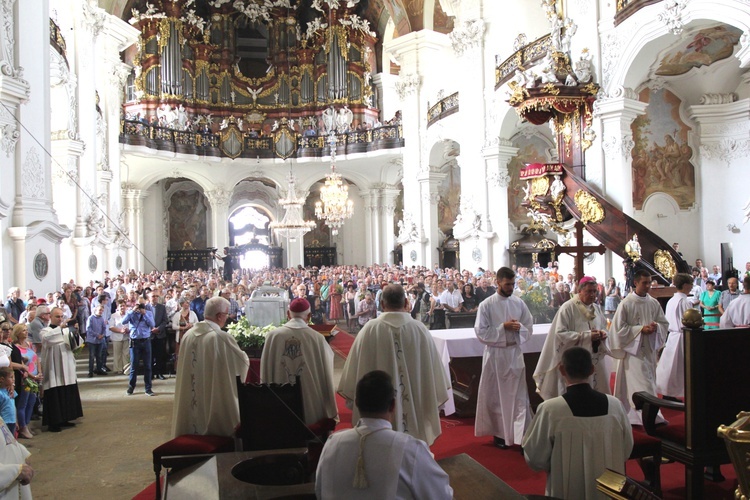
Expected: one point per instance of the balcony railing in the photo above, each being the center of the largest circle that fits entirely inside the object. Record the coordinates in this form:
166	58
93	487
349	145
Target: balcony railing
626	8
135	133
522	58
444	107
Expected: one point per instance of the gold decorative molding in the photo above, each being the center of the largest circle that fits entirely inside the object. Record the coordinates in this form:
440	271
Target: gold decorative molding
664	263
591	210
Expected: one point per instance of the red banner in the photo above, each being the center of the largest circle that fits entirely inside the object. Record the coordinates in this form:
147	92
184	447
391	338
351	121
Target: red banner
534	170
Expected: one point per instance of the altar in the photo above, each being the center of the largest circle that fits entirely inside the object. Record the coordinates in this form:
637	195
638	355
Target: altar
462	345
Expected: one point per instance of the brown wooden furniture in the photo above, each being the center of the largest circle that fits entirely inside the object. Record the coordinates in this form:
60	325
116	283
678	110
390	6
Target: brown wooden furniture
271	416
717	388
460	319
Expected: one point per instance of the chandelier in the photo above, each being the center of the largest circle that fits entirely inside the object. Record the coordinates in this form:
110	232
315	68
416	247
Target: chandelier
292	225
334	206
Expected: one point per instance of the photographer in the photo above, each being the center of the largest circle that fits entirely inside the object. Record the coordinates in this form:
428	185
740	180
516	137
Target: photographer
140	321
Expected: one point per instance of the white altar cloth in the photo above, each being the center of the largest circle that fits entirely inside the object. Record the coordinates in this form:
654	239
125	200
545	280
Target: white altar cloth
463	343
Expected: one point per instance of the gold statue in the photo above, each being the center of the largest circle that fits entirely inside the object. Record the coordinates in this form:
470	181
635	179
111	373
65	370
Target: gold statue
633	248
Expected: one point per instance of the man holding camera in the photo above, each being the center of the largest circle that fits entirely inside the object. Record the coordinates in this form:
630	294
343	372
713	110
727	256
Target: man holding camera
140	321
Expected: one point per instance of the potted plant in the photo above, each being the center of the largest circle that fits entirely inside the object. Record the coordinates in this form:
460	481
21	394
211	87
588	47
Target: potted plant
251	339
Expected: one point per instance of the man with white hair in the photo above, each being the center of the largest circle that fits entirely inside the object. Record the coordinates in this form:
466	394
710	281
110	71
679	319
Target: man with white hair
738	311
205	400
40	322
296	349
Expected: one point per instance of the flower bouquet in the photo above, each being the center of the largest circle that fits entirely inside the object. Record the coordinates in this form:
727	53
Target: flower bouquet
30	385
249	338
78	349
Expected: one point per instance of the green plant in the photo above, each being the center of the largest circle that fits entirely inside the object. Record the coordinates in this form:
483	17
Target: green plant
249	336
536	301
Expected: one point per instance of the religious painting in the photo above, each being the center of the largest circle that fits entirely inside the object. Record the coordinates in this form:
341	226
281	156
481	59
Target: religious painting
320	236
187	220
701	49
531	149
449	199
661	156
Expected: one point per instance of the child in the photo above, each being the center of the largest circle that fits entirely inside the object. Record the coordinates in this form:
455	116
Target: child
7	395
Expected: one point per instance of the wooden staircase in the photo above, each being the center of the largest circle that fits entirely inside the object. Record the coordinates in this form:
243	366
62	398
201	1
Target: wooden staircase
617	228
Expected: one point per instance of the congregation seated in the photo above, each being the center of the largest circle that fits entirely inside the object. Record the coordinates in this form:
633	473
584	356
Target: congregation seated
576	436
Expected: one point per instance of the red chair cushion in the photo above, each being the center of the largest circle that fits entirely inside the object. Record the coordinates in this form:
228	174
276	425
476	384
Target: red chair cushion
674	431
644	445
193	444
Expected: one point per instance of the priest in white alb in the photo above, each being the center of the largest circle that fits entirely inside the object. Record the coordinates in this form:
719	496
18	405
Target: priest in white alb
575	437
503	323
294	349
638	331
15	473
205	399
403	348
579	322
670	372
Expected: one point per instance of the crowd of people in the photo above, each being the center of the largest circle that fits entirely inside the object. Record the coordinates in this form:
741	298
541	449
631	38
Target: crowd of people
129	315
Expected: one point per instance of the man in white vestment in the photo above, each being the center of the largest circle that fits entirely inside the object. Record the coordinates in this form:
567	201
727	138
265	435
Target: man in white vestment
15	473
639	329
403	348
574	437
503	323
205	399
670	371
738	311
296	349
579	322
372	461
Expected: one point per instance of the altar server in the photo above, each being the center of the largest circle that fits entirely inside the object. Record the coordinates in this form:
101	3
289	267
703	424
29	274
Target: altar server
670	372
503	323
638	331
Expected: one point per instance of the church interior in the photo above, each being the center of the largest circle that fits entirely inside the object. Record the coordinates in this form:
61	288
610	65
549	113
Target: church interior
150	129
472	134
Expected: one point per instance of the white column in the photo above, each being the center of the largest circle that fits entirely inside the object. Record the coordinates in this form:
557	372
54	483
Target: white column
427	253
219	200
418	53
388	208
366	195
33	229
496	159
133	206
615	115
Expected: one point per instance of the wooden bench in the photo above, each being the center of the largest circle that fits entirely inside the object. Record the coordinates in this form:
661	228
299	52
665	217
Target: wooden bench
717	388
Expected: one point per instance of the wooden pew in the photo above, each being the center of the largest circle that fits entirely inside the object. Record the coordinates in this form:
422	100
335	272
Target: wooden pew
717	388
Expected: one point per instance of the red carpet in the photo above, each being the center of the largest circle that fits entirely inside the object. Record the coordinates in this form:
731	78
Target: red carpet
509	465
342	343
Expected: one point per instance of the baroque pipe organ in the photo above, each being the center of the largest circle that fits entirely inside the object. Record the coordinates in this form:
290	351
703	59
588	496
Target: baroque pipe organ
200	62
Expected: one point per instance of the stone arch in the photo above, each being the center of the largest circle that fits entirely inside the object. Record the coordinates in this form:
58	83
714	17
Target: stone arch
64	112
644	34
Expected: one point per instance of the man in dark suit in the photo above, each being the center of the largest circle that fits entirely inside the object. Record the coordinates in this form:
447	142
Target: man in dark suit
158	336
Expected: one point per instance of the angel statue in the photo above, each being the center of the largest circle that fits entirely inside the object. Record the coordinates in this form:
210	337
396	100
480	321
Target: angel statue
254	93
633	248
329	118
